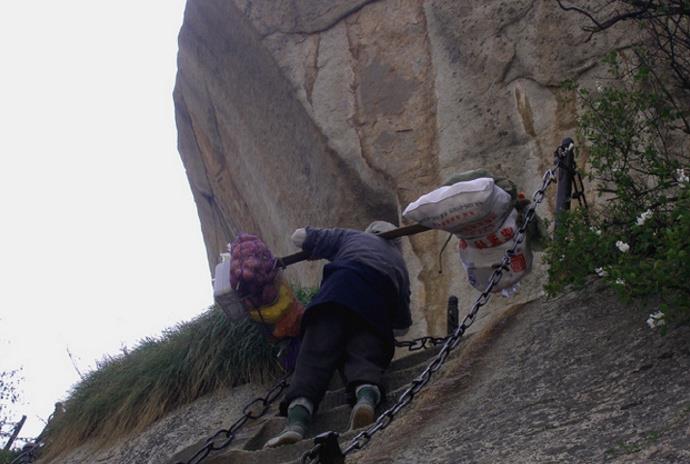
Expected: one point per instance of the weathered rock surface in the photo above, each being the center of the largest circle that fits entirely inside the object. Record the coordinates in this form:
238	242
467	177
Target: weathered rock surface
305	112
185	427
576	379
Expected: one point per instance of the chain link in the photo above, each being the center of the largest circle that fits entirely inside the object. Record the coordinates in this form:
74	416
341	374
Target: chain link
453	340
421	343
253	410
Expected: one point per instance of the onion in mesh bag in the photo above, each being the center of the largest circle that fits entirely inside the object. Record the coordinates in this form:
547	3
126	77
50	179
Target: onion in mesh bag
253	266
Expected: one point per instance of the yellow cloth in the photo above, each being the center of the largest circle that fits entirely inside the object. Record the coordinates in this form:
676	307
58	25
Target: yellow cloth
272	314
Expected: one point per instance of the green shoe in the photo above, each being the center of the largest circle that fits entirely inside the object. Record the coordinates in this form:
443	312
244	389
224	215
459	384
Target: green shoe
364	411
298	419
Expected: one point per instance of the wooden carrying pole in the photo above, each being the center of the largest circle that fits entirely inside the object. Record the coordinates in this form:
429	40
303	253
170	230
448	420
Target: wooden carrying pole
395	233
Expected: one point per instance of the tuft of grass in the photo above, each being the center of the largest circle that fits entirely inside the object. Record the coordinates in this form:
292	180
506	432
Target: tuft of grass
130	391
7	456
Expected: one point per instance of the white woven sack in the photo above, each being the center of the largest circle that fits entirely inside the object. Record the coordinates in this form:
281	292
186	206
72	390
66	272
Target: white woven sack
491	235
450	208
480	263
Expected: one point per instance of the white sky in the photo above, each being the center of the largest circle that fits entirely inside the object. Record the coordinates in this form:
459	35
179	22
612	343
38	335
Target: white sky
100	243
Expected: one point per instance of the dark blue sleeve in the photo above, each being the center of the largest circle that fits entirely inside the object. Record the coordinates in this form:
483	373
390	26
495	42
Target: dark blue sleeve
324	243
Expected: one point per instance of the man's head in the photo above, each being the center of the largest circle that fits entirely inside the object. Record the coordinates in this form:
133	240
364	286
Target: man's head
379	227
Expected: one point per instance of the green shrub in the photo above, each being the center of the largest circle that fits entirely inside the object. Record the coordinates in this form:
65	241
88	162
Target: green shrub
639	162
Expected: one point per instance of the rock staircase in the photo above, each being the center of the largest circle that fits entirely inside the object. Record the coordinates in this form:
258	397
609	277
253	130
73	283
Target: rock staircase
333	415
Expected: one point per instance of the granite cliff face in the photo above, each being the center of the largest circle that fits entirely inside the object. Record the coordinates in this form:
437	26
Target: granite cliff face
333	114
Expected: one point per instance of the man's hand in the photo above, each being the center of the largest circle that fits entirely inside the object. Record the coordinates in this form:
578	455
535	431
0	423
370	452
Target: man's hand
298	237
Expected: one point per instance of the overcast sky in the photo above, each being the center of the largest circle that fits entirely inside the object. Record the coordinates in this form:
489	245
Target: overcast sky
100	243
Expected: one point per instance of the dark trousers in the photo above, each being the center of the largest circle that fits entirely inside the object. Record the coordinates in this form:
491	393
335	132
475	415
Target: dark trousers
336	338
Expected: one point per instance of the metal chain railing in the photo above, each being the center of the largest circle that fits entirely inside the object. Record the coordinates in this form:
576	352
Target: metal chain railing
265	402
255	409
421	343
325	451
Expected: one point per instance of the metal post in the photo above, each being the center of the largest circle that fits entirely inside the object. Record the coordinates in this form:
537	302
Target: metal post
329	449
579	194
15	433
565	178
453	316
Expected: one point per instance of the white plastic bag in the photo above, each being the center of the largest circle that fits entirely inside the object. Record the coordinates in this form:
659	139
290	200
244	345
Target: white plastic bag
480	264
476	207
223	294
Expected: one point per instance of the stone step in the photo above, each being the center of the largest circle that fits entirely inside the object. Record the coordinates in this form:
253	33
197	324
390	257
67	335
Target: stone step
394	379
343	440
281	455
333	415
401	371
336	419
253	437
244	435
408	360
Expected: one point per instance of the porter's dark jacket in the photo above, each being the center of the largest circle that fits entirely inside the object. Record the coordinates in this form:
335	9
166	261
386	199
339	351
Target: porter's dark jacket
366	274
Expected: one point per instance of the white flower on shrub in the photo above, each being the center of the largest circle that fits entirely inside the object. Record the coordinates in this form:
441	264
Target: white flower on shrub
601	272
682	177
622	246
656	320
644	216
595	230
620	281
